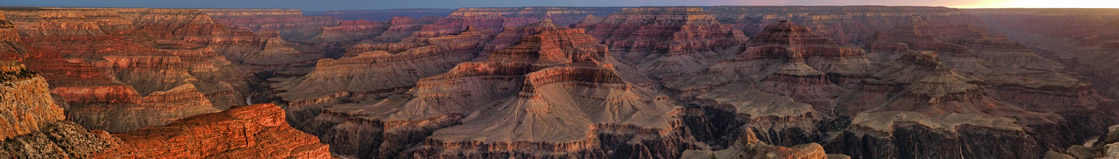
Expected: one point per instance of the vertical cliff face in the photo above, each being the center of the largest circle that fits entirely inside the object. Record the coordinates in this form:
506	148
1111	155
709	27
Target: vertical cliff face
666	41
31	124
27	105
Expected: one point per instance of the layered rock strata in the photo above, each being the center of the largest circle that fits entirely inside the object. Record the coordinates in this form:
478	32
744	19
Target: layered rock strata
254	131
383	14
564	91
121	69
665	40
492	20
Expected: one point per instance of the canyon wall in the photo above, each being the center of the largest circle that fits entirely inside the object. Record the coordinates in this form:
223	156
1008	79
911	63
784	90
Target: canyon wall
133	67
562	82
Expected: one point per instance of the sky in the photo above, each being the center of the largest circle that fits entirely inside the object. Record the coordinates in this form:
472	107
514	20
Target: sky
318	5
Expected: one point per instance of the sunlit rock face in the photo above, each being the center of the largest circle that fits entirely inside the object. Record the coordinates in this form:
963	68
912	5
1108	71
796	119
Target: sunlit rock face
253	131
27	105
34	128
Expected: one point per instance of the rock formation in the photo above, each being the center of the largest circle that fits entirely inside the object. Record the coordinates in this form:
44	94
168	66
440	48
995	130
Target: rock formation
564	90
748	146
254	131
134	67
33	128
492	20
268	19
662	41
27	105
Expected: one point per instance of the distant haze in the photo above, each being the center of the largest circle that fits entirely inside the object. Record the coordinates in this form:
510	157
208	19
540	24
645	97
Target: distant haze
315	5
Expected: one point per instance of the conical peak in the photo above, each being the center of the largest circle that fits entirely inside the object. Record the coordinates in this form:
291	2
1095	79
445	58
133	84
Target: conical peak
545	24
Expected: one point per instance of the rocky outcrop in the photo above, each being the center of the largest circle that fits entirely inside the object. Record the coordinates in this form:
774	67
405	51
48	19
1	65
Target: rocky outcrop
31	123
62	139
1105	147
748	146
257	131
27	105
663	41
32	128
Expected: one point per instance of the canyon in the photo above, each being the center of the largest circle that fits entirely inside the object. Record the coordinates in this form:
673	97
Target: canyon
559	82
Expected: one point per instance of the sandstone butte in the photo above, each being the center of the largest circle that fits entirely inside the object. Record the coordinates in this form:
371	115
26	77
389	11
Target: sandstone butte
560	82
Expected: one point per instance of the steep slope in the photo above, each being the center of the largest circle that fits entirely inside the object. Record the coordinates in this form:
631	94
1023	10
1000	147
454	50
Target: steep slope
27	105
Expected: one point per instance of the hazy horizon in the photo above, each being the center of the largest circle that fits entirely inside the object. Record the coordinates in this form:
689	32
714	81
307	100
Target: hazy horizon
323	5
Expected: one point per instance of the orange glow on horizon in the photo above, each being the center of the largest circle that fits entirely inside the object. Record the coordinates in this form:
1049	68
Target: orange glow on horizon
1043	4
